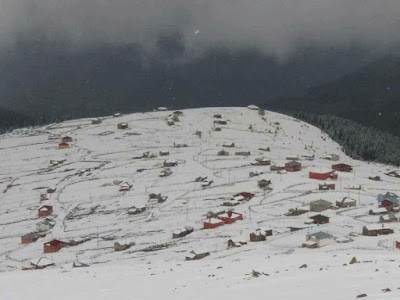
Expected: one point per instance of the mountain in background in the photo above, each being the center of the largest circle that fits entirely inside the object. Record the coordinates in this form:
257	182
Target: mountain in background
369	95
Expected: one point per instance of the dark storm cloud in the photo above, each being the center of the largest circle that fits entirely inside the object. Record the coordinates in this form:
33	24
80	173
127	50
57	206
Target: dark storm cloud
273	26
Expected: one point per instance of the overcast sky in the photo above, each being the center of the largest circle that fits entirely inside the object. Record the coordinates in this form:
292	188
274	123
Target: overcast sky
273	26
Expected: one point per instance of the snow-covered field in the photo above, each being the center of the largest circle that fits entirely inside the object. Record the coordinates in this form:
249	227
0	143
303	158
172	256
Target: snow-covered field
89	207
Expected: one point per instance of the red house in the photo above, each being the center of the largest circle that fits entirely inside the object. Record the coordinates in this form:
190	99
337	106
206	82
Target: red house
45	210
397	245
230	217
342	168
322	175
63	146
293	166
53	246
30	238
386	203
212	223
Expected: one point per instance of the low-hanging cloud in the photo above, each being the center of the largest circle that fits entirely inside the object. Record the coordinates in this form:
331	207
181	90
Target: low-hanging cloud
273	26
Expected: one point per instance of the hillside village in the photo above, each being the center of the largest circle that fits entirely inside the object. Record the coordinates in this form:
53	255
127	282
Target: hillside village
218	185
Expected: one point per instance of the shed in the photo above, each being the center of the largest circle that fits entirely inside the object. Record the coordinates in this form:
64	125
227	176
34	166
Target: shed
63	146
342	167
262	161
263	183
45	210
293	166
178	113
223	153
258	236
230	217
53	246
121	247
242	153
96	121
320	205
378	211
212	223
170	163
375	230
182	232
246	195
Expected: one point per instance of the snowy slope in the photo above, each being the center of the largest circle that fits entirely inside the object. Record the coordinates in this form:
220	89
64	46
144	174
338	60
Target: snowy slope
89	206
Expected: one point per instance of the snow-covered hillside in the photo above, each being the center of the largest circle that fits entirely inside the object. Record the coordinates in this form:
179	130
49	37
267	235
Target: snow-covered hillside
102	184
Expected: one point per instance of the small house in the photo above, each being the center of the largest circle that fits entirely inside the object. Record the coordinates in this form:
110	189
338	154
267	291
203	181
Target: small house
121	247
45	225
253	107
223	153
242	153
263	183
230	203
166	172
320	219
322	174
326	187
217	116
178	113
389	218
276	168
391	197
164	153
63	146
40	263
320	205
96	121
212	223
45	210
292	157
235	244
262	161
293	166
158	197
232	145
375	230
296	211
136	210
378	211
258	236
44	197
346	202
180	233
30	237
332	157
122	125
66	139
375	178
170	163
220	122
230	217
196	255
125	187
53	246
342	167
244	196
318	239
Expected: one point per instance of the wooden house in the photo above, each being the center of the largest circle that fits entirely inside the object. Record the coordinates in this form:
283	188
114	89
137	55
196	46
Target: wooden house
125	187
378	211
63	146
388	197
196	255
293	166
322	174
320	219
45	210
235	244
163	153
262	161
320	205
165	172
243	196
66	139
220	122
30	237
389	218
212	223
230	217
96	121
375	178
346	202
170	163
326	187
342	167
122	125
258	236
53	246
276	168
375	230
